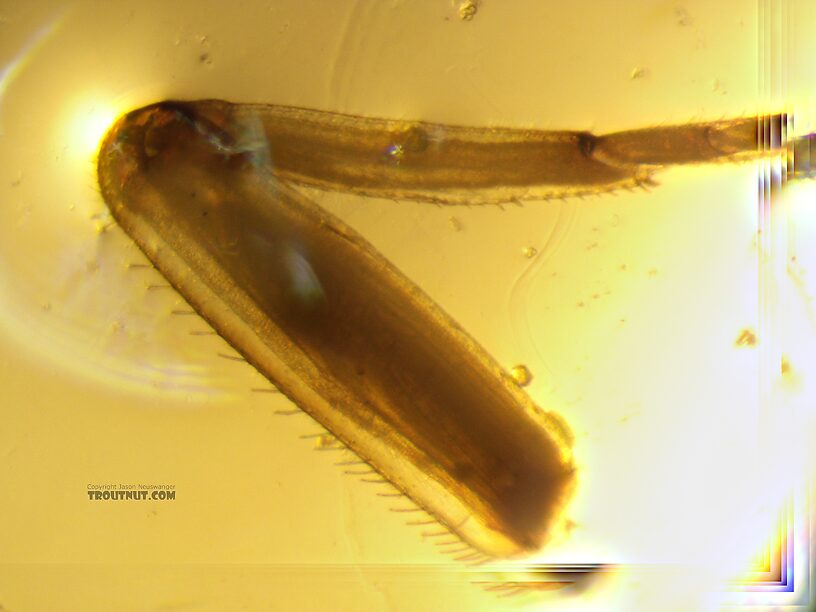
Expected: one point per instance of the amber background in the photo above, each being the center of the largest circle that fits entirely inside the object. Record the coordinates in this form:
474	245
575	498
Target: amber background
627	315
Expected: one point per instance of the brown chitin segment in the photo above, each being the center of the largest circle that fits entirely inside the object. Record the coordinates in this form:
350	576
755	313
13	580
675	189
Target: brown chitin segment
452	164
334	325
692	143
804	156
423	161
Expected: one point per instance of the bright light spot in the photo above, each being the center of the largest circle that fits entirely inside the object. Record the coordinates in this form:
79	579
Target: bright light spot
84	123
87	126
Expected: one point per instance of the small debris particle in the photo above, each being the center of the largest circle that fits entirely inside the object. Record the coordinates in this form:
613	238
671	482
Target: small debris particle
468	10
637	73
746	338
785	366
682	17
325	441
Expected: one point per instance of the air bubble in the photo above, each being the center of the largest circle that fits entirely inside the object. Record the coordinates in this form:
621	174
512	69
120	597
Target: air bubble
395	153
521	374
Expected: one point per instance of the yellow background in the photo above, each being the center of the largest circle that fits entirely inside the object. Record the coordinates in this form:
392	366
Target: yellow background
626	316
